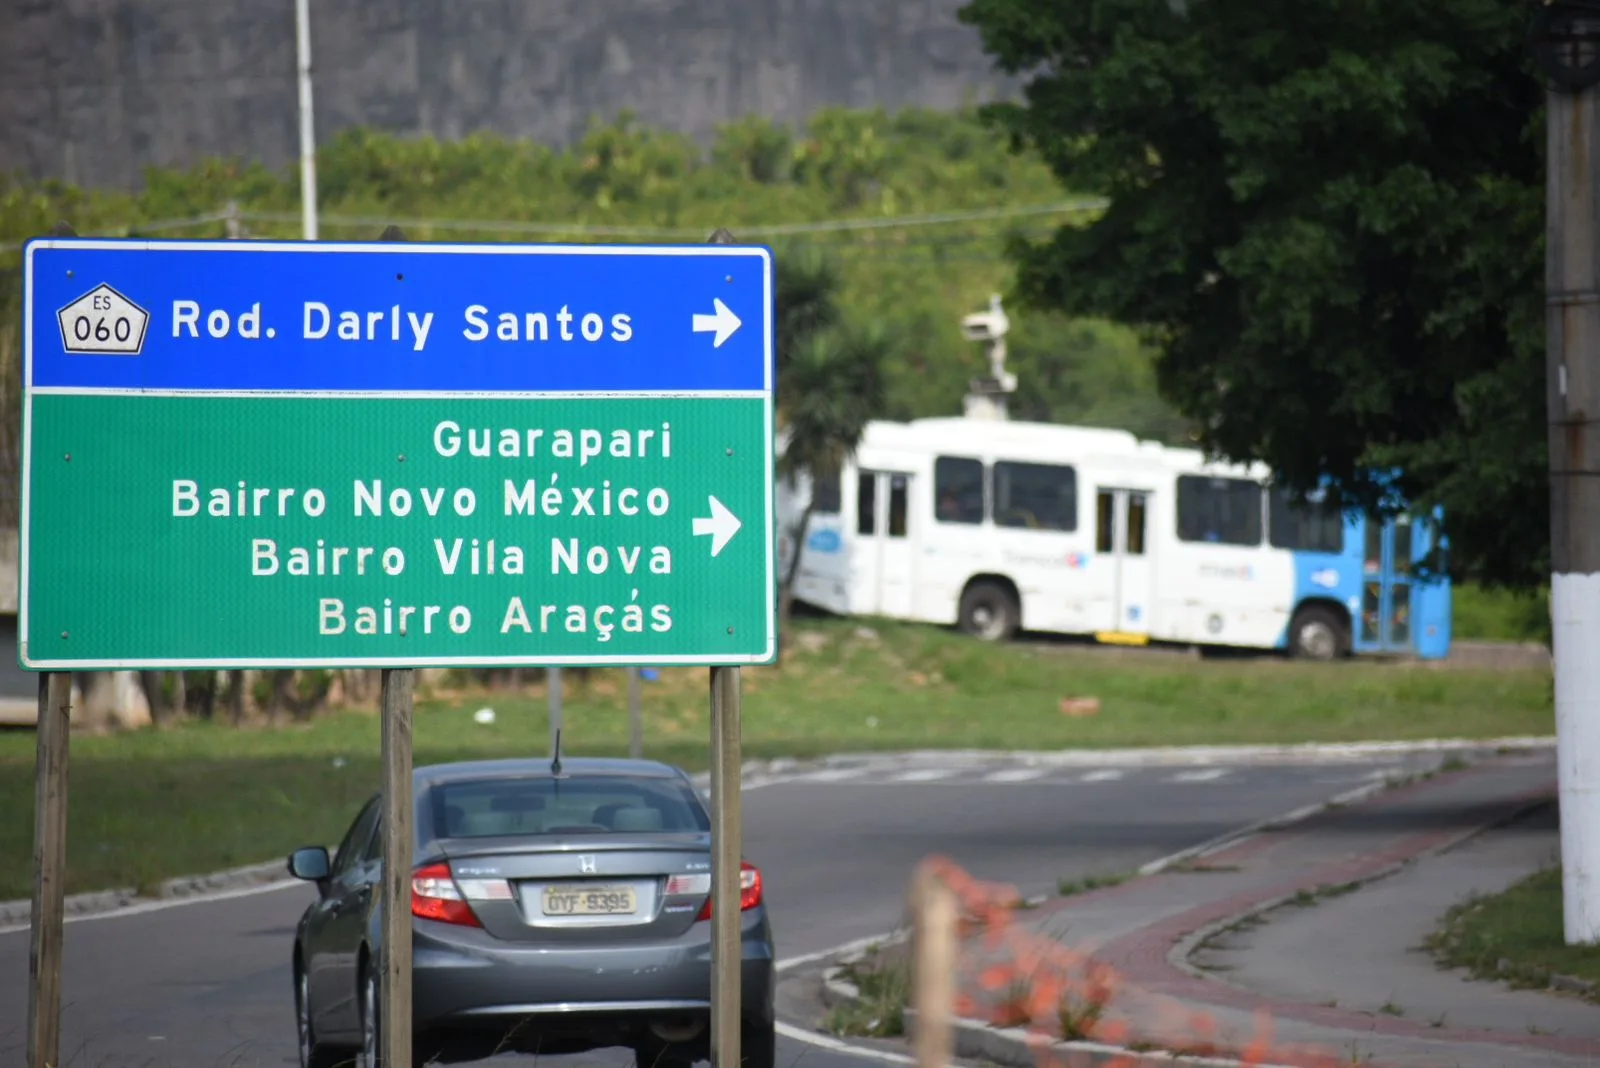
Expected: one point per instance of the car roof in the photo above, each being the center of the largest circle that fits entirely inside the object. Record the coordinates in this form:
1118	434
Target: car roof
539	768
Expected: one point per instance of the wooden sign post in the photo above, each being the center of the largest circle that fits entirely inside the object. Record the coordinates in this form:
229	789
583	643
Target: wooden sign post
727	849
47	920
47	915
396	707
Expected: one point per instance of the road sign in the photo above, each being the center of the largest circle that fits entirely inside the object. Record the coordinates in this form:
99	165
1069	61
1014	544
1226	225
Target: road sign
254	454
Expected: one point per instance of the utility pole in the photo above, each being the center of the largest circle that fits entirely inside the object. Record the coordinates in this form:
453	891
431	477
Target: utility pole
308	140
1566	43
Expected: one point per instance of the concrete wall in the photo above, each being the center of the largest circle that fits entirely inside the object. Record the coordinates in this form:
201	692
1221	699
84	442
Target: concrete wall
92	91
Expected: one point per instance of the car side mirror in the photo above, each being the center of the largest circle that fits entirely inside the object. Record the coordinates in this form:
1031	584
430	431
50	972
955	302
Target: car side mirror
310	863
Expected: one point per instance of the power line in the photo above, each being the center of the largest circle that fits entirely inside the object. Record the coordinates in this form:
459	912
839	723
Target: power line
503	226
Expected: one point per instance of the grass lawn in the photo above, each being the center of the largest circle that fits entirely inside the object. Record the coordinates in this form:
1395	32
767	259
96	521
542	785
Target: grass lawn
1521	927
152	804
1478	614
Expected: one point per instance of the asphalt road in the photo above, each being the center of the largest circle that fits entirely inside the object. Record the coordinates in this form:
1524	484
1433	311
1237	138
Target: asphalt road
208	984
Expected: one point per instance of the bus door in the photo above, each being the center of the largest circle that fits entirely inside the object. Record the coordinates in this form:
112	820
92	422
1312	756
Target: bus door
1389	554
1121	521
884	565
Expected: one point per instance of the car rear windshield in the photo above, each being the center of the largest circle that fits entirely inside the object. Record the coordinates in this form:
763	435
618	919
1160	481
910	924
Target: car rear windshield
487	808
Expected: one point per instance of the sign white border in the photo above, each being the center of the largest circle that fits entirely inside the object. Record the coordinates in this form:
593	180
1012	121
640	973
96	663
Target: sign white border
767	393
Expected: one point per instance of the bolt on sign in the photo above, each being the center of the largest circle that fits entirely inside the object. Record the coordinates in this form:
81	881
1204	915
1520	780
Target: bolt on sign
256	454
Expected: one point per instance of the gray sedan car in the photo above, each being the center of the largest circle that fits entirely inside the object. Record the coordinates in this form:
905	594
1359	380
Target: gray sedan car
555	909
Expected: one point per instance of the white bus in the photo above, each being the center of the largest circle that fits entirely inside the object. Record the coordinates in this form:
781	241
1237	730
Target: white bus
995	526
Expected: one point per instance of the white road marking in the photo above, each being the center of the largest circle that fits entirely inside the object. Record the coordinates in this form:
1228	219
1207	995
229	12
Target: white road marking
142	907
1015	774
924	775
1199	775
1364	751
828	775
835	1045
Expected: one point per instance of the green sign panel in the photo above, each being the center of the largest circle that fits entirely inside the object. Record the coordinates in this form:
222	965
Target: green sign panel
239	523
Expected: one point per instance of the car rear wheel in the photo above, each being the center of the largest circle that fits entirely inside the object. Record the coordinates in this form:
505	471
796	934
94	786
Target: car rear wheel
372	1022
312	1053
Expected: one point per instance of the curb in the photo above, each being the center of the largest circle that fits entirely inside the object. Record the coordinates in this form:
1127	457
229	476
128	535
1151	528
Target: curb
757	773
13	913
1021	1048
1014	1047
1179	956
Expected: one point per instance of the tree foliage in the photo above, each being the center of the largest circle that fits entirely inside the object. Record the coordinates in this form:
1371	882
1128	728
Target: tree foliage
1327	214
627	182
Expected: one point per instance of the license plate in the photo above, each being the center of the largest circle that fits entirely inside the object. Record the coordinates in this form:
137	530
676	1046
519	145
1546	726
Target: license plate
589	901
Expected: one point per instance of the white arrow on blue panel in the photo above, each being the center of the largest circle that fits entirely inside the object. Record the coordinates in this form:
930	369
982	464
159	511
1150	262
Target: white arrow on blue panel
722	322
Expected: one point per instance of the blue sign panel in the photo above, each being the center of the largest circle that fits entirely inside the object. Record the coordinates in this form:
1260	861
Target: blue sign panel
402	318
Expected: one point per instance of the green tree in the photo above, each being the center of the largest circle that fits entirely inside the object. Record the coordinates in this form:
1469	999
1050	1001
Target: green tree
1328	216
831	383
830	387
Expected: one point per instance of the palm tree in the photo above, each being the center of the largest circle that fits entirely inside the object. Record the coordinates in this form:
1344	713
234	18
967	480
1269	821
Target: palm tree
830	386
807	301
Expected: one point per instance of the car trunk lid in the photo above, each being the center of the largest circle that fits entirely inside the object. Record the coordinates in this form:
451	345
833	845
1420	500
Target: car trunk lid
573	888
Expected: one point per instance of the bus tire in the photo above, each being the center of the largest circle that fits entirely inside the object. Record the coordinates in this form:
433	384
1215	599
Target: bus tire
1317	632
989	611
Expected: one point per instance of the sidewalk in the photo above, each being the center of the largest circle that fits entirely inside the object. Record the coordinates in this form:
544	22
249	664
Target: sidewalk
1247	950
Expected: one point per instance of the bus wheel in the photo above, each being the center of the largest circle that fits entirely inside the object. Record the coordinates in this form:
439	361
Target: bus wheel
1317	633
989	611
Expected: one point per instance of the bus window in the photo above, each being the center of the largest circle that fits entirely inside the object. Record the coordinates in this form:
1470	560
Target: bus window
1304	526
1105	521
1374	555
1225	511
1402	547
958	489
1136	513
1035	496
825	493
897	506
867	503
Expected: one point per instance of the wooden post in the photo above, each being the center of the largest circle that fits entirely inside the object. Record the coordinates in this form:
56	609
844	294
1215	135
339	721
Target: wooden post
47	916
726	850
933	968
394	990
726	855
49	871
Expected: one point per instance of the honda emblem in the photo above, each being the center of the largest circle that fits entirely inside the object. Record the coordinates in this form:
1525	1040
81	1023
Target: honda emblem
586	865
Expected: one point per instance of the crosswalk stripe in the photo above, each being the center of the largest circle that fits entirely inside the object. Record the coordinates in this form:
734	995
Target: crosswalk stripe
1015	775
828	775
923	775
1200	775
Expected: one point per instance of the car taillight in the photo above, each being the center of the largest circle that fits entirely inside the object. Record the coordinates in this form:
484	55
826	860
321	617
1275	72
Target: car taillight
749	891
436	896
